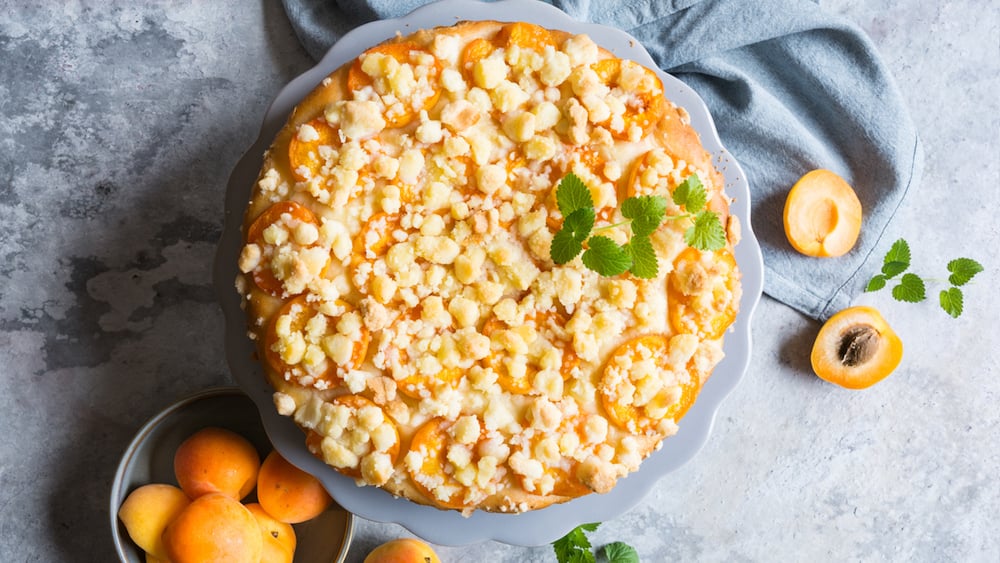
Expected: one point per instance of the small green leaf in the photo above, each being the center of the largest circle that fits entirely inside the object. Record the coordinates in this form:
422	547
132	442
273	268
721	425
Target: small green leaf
646	213
580	223
910	289
951	301
564	247
962	270
572	194
605	257
899	252
620	552
574	547
876	283
893	269
643	258
691	194
707	233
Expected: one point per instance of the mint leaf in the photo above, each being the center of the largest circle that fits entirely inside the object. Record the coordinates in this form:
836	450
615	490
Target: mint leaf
564	247
962	270
707	233
572	194
605	257
644	263
620	552
951	301
646	213
893	269
899	252
691	194
910	289
574	547
876	283
580	223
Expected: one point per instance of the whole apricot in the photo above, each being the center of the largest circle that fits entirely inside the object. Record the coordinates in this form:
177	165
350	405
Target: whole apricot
214	527
216	460
856	348
146	513
403	550
822	215
279	537
289	494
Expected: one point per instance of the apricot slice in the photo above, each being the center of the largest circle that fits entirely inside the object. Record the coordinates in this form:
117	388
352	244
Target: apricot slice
403	550
278	537
288	215
476	50
526	36
431	469
521	383
365	447
305	345
822	215
216	460
634	391
856	348
214	527
645	103
303	150
287	493
146	513
702	297
415	97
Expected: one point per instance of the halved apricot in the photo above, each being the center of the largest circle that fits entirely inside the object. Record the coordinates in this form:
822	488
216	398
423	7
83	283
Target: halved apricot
856	348
289	214
822	215
526	36
523	384
702	294
297	365
658	401
435	472
645	103
415	100
476	50
303	156
355	403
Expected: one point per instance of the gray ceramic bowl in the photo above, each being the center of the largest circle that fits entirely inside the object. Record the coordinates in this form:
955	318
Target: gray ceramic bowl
150	459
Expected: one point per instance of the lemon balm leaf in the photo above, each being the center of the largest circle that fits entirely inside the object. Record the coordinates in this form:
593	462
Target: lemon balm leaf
580	223
644	263
620	552
564	247
575	547
707	233
605	257
951	301
910	289
646	213
572	194
899	252
963	270
691	194
876	283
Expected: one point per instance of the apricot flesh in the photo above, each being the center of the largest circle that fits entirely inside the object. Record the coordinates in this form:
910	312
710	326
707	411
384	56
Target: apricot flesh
146	513
403	550
822	215
214	527
278	537
856	348
216	460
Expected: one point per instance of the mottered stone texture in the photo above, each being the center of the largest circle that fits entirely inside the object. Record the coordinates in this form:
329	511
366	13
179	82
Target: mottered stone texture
119	125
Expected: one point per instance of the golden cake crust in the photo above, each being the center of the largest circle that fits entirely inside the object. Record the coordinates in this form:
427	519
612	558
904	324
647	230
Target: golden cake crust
398	283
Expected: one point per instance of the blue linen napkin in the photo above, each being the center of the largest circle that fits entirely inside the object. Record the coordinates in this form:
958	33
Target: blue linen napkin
791	88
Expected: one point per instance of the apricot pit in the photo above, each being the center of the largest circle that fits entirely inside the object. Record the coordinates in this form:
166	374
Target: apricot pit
822	215
856	348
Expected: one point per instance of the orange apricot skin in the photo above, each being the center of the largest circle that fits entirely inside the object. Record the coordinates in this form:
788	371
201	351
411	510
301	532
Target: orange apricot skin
147	511
214	527
822	215
278	537
216	460
403	550
289	494
825	353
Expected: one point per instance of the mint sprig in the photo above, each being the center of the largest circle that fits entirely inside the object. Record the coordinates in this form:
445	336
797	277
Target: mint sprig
643	215
575	547
912	288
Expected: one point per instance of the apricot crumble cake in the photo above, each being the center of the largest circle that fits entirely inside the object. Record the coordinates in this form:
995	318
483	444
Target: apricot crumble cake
403	290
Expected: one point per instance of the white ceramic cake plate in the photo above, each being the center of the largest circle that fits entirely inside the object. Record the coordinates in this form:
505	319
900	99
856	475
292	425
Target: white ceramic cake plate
449	527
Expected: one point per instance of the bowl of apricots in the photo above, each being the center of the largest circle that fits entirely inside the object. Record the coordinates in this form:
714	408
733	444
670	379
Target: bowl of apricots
201	482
